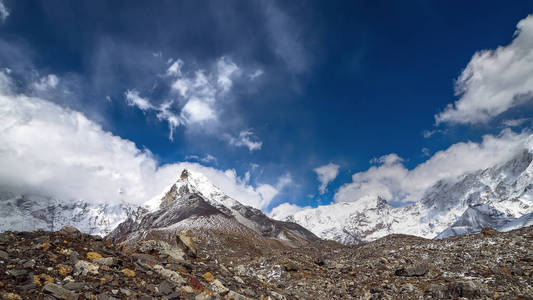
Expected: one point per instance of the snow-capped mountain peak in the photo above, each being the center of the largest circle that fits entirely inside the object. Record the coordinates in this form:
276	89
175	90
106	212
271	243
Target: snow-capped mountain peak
194	201
190	182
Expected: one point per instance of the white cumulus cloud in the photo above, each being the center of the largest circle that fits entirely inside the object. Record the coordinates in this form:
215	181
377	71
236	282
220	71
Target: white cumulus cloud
494	80
325	175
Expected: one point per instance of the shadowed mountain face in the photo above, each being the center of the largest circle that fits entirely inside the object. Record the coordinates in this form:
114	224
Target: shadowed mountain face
194	203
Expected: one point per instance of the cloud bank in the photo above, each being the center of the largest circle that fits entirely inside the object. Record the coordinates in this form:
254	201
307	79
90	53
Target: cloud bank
494	80
391	180
50	150
325	175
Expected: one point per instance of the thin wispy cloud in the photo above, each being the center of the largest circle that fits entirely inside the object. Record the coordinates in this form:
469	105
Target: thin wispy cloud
245	138
196	99
4	12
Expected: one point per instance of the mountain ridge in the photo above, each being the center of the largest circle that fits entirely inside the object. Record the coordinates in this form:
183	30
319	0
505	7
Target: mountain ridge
491	197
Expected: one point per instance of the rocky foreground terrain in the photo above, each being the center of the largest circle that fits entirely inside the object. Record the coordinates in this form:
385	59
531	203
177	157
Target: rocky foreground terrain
71	265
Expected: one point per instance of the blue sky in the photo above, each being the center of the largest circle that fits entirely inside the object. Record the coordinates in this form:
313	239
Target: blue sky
308	83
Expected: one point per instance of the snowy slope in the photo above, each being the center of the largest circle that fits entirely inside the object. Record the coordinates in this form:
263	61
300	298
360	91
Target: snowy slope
493	197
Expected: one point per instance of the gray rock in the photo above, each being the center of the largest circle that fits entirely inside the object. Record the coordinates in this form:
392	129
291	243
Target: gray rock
70	231
165	288
249	292
105	297
169	275
29	264
3	255
84	267
107	261
74	256
235	296
412	271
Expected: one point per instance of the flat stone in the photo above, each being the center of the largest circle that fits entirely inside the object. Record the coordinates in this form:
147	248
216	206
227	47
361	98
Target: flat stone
74	286
108	261
17	273
60	292
3	255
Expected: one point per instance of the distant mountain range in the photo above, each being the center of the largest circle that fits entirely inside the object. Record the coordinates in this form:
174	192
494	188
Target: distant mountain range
500	197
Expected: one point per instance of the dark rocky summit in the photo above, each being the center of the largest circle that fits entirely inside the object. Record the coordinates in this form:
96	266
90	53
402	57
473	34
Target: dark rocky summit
71	265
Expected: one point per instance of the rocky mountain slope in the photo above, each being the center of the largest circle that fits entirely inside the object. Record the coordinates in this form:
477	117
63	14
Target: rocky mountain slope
71	265
194	203
496	197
